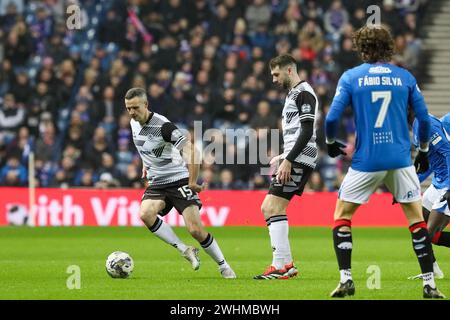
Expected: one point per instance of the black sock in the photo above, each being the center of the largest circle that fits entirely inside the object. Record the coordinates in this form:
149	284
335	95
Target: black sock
343	244
442	239
433	258
422	246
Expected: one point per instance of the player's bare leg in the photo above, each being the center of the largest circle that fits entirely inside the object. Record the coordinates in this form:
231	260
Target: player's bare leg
195	227
149	215
343	244
282	267
435	238
436	224
438	274
422	247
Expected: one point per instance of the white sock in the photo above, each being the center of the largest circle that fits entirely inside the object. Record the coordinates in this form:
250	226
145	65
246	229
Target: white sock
436	268
163	231
428	279
279	240
212	248
346	274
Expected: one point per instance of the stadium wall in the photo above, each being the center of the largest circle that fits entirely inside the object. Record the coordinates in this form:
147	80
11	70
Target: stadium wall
120	207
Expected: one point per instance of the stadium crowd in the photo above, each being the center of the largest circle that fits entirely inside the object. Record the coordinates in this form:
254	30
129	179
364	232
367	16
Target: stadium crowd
62	89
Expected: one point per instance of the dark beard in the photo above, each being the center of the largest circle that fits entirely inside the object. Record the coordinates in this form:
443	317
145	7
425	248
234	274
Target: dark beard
286	84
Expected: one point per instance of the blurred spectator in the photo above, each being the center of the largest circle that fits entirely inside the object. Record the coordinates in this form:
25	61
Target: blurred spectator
226	181
260	182
107	181
21	88
346	58
46	143
21	145
124	157
264	119
315	183
132	178
18	46
406	53
85	177
108	166
111	29
12	116
312	33
13	174
95	148
335	18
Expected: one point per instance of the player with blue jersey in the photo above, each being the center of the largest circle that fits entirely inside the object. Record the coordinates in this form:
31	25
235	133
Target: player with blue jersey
445	120
435	201
436	196
380	95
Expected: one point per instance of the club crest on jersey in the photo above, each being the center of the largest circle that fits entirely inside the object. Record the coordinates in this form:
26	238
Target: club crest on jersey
306	108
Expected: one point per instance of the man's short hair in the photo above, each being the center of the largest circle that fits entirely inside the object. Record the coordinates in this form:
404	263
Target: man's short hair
136	92
282	61
374	43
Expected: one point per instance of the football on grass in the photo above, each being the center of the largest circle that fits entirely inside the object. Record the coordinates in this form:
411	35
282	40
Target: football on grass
119	264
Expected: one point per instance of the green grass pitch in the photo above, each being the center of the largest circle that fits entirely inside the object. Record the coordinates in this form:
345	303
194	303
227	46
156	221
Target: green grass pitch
34	262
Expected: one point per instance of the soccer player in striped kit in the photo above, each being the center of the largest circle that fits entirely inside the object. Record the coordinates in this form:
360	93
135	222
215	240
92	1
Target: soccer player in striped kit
171	184
296	163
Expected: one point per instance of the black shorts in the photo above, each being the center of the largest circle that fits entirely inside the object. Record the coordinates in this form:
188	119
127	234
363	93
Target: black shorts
177	194
299	176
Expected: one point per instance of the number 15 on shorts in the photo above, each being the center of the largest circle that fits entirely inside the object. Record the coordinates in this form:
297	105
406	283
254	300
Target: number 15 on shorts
186	192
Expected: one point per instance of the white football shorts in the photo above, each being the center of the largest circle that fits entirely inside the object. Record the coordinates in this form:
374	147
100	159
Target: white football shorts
431	200
358	186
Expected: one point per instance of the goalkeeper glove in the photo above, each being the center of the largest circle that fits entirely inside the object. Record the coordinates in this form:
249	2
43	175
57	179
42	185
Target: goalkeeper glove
334	149
421	162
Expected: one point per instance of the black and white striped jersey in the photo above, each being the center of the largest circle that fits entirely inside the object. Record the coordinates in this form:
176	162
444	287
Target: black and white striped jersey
301	104
159	143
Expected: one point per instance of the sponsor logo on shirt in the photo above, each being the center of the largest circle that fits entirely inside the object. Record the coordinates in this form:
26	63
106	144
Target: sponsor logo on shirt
380	69
435	139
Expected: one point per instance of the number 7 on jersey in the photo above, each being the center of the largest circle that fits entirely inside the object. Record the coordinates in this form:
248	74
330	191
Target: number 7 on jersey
386	96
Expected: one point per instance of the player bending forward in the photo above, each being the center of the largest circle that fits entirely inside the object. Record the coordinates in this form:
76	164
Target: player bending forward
159	143
380	94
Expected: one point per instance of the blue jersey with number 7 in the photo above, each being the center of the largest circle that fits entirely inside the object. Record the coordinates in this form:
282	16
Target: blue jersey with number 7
380	95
